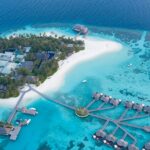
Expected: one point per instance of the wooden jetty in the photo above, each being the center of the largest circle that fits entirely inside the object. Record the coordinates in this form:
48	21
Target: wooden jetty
14	111
16	130
30	111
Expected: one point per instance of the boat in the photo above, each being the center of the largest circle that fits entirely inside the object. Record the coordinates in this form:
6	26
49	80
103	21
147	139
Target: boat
80	29
84	81
33	109
27	121
18	121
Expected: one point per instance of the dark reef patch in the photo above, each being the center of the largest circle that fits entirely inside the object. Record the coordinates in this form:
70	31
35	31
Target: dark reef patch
127	93
133	94
81	146
137	71
136	50
110	77
44	146
71	145
145	56
124	35
85	139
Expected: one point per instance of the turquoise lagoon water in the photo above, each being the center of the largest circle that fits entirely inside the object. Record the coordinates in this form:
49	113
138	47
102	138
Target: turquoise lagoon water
57	128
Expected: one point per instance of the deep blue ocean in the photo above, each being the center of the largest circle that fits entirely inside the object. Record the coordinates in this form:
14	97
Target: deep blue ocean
129	14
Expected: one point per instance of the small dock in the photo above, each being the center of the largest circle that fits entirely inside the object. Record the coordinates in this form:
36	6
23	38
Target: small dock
14	133
14	111
31	111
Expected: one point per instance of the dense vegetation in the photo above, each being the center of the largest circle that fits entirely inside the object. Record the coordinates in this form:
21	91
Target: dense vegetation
39	43
42	68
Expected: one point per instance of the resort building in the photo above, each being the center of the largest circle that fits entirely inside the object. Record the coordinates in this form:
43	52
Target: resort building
44	56
80	29
32	79
27	49
27	65
3	88
10	59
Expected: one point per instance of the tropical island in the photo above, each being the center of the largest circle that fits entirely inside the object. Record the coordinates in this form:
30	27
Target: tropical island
31	59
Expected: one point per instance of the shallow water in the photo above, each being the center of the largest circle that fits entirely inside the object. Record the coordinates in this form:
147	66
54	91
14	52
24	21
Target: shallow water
57	128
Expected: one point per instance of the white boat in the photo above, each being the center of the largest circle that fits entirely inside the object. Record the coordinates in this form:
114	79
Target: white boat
32	108
84	81
130	65
28	121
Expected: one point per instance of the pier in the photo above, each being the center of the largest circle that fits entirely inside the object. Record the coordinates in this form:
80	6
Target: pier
14	111
14	133
106	103
30	111
16	129
55	101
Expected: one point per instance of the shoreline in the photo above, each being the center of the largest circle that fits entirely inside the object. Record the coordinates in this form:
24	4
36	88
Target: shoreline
94	47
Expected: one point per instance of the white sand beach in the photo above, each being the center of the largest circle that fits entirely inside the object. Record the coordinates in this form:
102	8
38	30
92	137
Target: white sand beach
93	48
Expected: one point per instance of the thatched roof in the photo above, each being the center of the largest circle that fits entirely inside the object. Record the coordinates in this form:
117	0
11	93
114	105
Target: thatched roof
122	143
101	133
128	104
111	138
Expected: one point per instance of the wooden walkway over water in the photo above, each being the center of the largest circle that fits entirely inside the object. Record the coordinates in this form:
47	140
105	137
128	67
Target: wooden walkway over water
14	133
15	109
107	103
55	101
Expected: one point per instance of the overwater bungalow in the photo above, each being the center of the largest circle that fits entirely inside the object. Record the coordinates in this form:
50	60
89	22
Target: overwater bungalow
97	96
147	146
111	139
99	135
105	99
122	144
138	107
146	109
114	102
80	29
132	147
128	104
